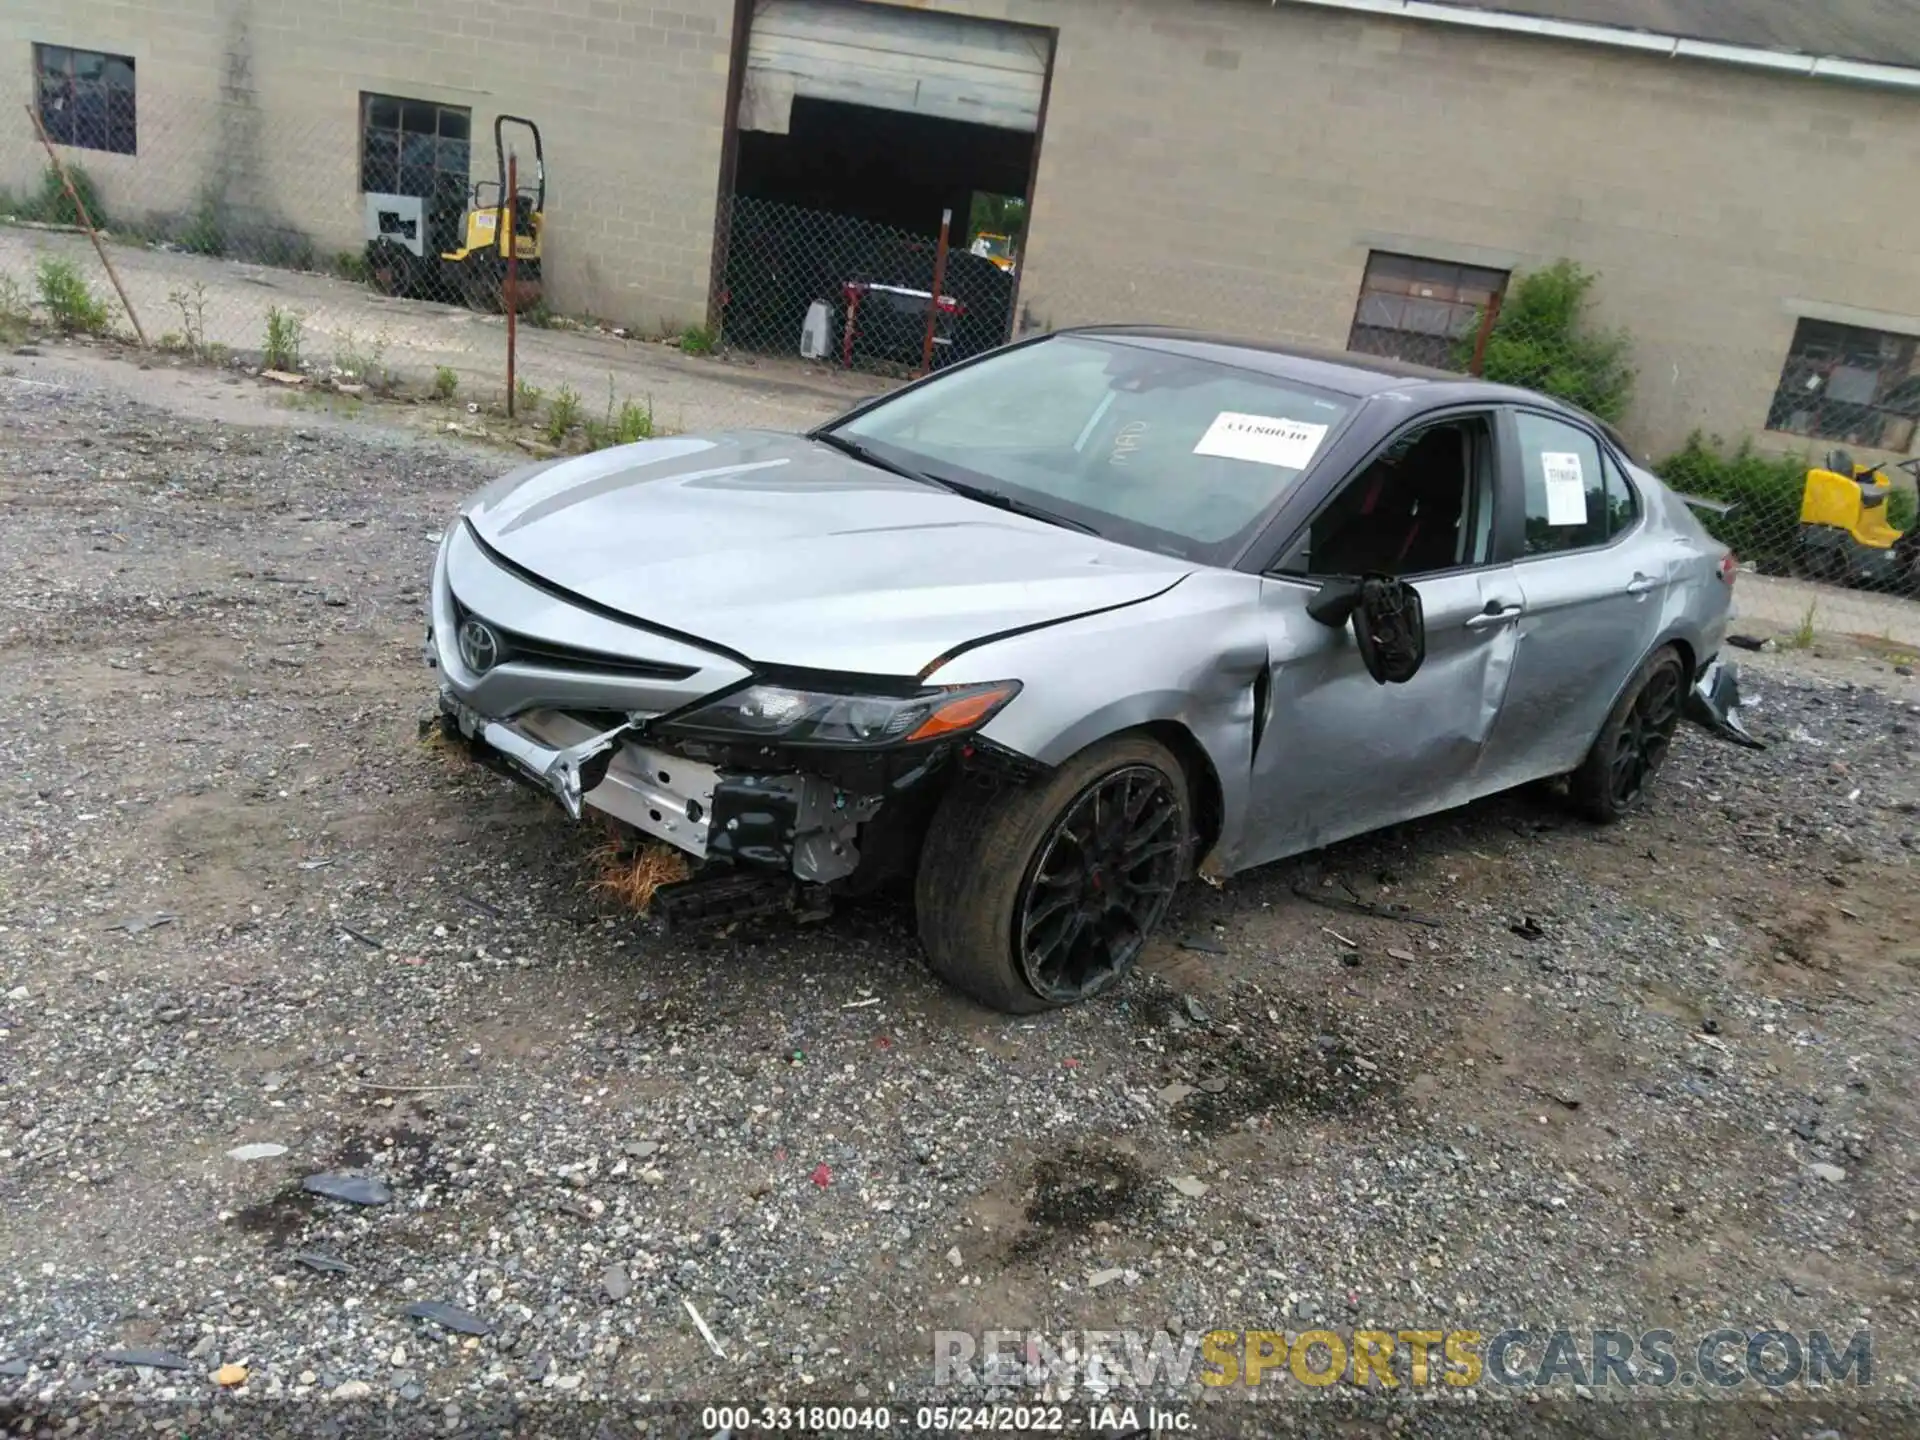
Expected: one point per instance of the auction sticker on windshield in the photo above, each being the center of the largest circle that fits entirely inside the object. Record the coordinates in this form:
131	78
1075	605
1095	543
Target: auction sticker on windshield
1566	487
1262	439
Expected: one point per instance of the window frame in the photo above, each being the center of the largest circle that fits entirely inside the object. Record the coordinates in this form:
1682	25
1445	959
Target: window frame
1497	296
1889	379
66	130
1609	454
1498	457
399	132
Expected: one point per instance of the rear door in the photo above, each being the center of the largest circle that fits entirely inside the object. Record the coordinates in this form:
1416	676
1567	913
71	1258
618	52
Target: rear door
1591	594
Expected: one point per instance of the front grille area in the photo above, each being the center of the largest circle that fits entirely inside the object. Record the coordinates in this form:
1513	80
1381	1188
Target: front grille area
525	650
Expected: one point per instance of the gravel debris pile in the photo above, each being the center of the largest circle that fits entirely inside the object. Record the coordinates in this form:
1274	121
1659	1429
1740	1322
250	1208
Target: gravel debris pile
326	1073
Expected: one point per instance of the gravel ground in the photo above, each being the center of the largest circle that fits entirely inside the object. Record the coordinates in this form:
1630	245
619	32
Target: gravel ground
241	904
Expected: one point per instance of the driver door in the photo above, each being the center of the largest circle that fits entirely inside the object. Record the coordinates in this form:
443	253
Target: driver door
1341	754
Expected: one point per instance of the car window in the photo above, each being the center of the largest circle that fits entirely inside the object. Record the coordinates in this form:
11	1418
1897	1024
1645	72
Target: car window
1623	501
1566	485
1152	447
1424	504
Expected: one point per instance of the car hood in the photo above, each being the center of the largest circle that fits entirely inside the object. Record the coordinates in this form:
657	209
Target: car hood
787	552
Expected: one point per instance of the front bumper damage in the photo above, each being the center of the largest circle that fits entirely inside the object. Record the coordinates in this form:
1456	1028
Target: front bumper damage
1714	704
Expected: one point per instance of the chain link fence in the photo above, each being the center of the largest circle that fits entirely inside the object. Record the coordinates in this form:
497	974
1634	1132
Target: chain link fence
853	292
239	238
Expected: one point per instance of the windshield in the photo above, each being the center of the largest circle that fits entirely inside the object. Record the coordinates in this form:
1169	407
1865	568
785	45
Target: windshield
1164	451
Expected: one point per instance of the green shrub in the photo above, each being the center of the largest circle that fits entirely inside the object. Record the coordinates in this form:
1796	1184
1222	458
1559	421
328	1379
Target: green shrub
52	205
67	298
1903	509
698	340
283	339
1765	491
16	311
446	380
1543	341
203	233
192	305
527	398
562	411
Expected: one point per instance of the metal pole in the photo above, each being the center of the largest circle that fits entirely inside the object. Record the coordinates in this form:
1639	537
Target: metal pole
939	283
513	331
1487	322
86	220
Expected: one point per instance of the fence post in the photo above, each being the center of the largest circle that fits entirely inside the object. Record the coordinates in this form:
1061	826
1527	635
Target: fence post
1487	322
939	283
86	220
512	296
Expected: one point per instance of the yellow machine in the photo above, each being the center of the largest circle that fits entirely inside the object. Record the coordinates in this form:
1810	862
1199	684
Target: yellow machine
457	245
1845	535
997	248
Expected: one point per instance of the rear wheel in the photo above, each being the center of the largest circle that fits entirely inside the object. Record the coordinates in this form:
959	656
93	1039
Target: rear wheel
1634	742
1032	899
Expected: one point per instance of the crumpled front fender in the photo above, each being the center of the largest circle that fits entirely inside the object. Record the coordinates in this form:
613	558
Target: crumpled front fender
1714	704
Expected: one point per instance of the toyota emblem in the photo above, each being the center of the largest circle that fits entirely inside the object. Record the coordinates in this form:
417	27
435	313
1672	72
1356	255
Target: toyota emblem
479	646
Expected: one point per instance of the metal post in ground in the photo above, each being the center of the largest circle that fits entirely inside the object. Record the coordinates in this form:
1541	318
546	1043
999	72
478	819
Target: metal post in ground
939	283
511	296
86	221
1488	319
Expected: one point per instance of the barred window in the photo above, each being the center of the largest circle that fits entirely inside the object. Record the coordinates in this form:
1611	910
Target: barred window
86	98
413	147
1420	310
1849	383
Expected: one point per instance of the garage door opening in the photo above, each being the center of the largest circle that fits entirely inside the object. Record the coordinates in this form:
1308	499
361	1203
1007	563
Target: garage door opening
858	127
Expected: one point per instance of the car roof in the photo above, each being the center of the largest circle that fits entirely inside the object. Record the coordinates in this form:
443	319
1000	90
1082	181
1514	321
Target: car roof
1342	372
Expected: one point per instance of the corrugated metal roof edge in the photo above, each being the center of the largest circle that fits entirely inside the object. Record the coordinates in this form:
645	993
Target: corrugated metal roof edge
1676	47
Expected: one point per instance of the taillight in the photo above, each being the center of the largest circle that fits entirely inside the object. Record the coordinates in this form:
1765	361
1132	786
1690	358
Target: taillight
1729	567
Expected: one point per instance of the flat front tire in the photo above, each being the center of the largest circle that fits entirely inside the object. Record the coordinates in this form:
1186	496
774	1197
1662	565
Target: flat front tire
1633	744
1031	899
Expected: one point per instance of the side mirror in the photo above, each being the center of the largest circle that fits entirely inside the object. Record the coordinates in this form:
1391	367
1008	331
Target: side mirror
1391	630
1389	625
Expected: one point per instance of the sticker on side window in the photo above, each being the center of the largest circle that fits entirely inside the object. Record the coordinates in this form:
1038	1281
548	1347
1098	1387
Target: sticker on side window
1566	487
1262	439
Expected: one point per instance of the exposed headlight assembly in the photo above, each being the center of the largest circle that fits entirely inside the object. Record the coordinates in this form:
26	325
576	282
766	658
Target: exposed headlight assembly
785	716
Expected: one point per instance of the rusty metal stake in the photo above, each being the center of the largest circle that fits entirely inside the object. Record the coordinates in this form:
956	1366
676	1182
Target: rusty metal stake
512	208
86	221
939	283
1487	322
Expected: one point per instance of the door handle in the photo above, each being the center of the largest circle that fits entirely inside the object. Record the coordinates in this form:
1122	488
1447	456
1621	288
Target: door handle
1494	614
1640	584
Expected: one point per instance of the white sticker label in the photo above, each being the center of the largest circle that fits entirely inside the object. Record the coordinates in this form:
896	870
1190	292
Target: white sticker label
1566	487
1262	439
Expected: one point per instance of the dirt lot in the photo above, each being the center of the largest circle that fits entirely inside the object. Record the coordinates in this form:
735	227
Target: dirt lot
1657	1076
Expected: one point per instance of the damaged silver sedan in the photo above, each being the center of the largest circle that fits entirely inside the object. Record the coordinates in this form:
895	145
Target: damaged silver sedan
1049	631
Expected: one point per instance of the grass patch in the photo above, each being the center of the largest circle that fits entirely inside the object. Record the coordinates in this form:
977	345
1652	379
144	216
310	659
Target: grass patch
16	311
1802	635
446	381
631	423
698	340
527	398
563	412
284	331
70	302
363	361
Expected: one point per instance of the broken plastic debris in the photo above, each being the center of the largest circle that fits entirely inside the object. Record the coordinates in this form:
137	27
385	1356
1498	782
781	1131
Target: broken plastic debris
314	1260
230	1375
1188	1185
451	1317
261	1150
353	1189
152	1359
1104	1277
823	1175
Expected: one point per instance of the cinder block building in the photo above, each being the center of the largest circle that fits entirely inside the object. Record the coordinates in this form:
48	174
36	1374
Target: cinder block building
1340	172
